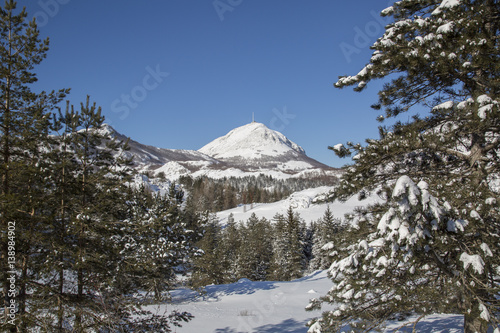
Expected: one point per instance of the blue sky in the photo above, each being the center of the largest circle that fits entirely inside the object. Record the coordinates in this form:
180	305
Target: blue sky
178	74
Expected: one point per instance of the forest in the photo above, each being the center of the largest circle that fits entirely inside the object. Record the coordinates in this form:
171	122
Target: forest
84	249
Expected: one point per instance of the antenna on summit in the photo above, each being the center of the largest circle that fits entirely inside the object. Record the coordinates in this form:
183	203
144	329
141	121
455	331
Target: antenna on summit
253	117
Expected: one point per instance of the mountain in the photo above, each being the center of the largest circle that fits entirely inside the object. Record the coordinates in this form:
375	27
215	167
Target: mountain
248	150
254	146
149	157
251	141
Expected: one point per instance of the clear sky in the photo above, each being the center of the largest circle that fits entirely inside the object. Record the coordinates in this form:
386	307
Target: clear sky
178	73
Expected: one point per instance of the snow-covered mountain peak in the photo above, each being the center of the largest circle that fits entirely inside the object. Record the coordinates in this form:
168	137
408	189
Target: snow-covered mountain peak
251	141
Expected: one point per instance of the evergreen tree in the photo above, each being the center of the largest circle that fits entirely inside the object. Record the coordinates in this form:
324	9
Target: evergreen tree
64	217
255	249
158	242
326	240
24	131
442	55
230	244
207	267
288	261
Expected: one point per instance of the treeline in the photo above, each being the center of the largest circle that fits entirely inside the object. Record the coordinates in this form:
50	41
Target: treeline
259	249
215	195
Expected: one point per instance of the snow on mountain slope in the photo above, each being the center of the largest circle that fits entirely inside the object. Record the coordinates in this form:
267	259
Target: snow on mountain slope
251	141
148	157
248	150
309	204
255	146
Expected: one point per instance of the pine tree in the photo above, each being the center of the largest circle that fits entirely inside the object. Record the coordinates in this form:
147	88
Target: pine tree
326	240
229	247
208	267
441	55
288	261
24	131
402	263
255	249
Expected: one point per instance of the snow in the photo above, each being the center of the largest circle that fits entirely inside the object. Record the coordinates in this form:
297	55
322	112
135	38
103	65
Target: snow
273	306
249	306
484	312
173	169
486	250
475	261
491	201
251	141
294	165
303	202
387	11
338	147
486	104
446	4
445	28
444	106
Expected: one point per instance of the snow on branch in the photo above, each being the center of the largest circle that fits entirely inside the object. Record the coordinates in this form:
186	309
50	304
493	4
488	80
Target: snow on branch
474	260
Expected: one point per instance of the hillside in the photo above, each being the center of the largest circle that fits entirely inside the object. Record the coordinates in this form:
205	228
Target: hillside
249	150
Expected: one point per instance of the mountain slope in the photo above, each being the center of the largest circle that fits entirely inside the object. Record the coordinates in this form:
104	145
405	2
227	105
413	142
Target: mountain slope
149	158
251	141
255	146
248	150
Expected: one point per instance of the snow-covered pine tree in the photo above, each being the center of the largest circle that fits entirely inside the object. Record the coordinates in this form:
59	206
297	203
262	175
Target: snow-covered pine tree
207	268
326	239
442	55
410	262
288	260
229	246
158	242
255	249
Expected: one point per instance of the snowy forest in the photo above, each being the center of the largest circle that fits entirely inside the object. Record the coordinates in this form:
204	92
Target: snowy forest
84	248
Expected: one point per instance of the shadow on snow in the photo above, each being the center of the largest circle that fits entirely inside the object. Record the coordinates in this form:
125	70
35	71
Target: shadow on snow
286	326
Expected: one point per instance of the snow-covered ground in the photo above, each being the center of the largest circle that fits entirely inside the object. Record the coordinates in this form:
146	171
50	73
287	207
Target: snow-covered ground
271	307
303	203
274	306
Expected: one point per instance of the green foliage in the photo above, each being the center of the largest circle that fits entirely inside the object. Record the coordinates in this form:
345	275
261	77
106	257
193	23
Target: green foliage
326	243
78	241
255	250
288	261
207	267
220	194
440	55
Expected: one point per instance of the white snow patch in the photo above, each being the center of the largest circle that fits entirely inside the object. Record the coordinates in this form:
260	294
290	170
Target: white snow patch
445	28
251	141
444	106
304	201
474	260
486	250
446	4
484	312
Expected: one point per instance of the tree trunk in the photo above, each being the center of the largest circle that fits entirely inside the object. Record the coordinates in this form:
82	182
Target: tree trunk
474	324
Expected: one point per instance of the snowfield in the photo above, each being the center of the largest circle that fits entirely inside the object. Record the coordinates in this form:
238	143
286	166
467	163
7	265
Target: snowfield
306	203
271	307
